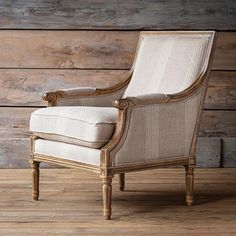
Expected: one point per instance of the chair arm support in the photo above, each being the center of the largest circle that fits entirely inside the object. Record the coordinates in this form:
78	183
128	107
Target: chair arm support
148	99
53	96
84	94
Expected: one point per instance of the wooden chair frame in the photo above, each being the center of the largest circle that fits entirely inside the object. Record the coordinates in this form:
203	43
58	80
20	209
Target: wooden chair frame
106	170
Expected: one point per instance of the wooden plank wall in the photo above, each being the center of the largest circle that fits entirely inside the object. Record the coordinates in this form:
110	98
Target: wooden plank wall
47	45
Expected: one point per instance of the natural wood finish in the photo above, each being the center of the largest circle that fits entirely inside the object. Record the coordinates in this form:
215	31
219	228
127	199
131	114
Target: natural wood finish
24	87
120	14
225	55
208	152
221	91
88	49
122	181
189	184
107	195
71	203
35	180
70	49
218	124
229	152
14	122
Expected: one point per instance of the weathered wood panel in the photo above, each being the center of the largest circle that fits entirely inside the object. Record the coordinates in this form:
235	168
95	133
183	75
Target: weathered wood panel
88	49
208	153
217	123
221	92
225	54
14	122
121	14
24	87
14	152
229	152
67	49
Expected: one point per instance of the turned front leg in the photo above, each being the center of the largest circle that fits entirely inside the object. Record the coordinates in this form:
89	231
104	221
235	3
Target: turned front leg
122	181
107	194
189	184
35	180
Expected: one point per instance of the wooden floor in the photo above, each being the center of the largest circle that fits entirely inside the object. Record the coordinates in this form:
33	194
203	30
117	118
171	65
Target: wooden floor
153	204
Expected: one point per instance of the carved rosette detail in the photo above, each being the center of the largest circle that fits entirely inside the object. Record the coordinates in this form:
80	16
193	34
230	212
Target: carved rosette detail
122	104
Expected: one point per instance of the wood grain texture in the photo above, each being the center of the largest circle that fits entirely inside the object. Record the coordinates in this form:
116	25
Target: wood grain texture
225	54
14	152
71	204
67	49
208	152
25	87
229	152
14	122
121	14
217	123
221	92
88	49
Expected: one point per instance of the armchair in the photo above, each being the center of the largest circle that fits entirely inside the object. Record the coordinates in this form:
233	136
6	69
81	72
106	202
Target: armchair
149	120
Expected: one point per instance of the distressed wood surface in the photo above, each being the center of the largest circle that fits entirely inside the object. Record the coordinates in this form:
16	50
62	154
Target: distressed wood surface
208	152
71	204
14	122
24	87
221	92
229	152
121	14
217	123
30	84
225	54
88	49
67	49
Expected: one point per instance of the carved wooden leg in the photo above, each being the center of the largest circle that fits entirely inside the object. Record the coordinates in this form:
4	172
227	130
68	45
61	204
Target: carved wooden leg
107	194
35	180
122	181
189	185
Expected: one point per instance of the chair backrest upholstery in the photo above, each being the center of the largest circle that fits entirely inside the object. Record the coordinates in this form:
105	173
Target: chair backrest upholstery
168	62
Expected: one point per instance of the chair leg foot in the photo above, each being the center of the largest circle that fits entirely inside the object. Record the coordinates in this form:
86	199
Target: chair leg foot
35	180
122	181
189	184
107	194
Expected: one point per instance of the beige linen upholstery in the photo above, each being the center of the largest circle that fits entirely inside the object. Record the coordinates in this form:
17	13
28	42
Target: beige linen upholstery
67	151
167	63
101	101
86	126
159	131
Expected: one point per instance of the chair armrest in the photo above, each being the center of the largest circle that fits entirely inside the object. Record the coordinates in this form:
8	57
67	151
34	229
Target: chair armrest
87	95
148	99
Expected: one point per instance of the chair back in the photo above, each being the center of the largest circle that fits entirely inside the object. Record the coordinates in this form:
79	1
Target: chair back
169	62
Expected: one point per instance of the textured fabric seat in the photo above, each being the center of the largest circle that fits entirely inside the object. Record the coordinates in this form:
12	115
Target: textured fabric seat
86	126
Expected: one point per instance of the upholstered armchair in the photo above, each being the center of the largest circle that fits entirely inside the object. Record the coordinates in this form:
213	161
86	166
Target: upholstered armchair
148	120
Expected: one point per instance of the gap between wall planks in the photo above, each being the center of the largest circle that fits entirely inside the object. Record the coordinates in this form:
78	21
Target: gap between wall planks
36	61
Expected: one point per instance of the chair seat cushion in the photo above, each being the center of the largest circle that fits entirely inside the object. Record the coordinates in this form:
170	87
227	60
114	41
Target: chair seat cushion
81	125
